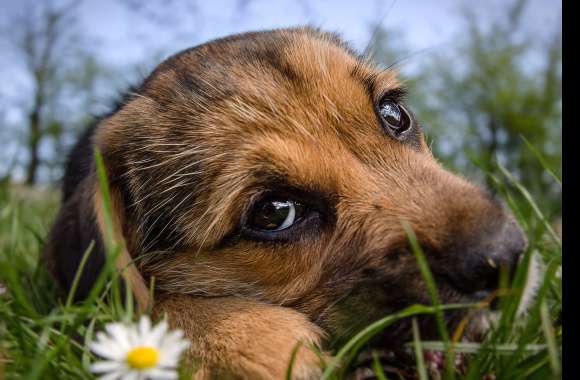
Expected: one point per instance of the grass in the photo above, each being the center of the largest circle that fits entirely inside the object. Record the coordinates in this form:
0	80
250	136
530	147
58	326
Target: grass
43	336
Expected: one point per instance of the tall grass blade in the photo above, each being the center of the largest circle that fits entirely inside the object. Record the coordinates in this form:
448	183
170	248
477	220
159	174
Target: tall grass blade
421	370
435	299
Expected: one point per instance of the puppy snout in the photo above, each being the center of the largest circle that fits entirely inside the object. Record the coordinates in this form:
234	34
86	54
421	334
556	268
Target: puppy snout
481	261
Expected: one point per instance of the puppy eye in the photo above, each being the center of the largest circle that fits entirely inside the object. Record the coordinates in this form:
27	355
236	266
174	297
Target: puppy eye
394	116
276	214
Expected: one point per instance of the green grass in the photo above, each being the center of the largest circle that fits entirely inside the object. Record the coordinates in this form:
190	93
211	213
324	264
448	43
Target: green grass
43	336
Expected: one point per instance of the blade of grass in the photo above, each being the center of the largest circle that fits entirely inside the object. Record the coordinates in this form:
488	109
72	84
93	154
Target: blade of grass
292	360
510	303
368	332
151	295
533	204
421	370
550	339
435	299
512	203
378	368
88	337
129	302
542	160
473	348
111	248
77	277
106	197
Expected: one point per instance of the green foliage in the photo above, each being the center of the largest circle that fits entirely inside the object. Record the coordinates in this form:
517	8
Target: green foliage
44	335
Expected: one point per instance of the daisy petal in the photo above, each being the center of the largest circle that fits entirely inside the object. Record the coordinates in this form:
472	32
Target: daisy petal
144	325
161	374
170	357
120	334
120	340
171	339
132	375
106	351
157	333
106	366
112	376
174	346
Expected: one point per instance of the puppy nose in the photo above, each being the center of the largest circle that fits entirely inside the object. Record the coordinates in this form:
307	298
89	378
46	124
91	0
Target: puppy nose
486	257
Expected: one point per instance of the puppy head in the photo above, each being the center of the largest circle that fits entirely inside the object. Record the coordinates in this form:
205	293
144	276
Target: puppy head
280	166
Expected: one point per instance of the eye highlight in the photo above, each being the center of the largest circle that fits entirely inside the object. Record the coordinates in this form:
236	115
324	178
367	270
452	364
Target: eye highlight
394	117
272	214
286	213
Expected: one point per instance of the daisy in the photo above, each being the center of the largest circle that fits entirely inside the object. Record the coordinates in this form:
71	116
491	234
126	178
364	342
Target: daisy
138	351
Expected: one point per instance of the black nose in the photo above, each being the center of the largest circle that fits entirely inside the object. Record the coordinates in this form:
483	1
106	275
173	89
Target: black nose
477	264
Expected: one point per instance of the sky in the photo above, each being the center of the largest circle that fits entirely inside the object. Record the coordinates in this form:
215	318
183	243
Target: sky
424	23
124	36
127	33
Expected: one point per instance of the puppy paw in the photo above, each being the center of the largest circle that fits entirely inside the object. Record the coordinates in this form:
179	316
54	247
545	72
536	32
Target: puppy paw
244	339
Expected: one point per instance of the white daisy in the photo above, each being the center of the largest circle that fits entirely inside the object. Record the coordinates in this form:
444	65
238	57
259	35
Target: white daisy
138	351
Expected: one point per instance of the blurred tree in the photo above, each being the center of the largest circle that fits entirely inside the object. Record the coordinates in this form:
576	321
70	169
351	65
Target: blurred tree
62	74
37	35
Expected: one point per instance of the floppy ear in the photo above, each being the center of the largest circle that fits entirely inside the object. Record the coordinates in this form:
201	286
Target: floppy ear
122	233
124	262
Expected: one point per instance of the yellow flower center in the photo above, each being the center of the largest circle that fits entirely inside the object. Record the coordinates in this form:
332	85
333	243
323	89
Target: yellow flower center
143	357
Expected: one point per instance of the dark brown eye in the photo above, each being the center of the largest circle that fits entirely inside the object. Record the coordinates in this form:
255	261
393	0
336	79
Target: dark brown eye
394	116
276	214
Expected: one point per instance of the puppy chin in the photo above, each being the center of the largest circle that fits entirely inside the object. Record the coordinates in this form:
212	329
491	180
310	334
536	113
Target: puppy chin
481	323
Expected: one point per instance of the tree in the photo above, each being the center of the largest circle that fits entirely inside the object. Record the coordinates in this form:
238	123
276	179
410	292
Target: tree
62	77
37	36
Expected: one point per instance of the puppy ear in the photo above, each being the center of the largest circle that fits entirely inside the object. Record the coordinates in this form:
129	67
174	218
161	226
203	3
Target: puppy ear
118	228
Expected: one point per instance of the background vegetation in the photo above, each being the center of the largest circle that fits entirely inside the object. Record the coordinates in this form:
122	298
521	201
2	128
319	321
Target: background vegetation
490	103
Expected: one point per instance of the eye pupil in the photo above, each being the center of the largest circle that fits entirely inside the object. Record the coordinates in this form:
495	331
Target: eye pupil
271	214
391	113
394	116
275	215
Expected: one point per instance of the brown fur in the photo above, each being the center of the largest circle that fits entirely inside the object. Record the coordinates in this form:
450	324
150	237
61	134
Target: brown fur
124	262
215	127
243	338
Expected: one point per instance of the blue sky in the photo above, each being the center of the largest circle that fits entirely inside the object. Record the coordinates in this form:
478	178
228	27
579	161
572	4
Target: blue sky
221	17
212	19
424	23
123	37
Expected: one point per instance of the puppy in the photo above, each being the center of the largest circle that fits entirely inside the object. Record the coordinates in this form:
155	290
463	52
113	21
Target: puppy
264	180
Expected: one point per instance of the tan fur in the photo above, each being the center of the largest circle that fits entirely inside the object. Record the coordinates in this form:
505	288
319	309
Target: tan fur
240	338
124	263
210	131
